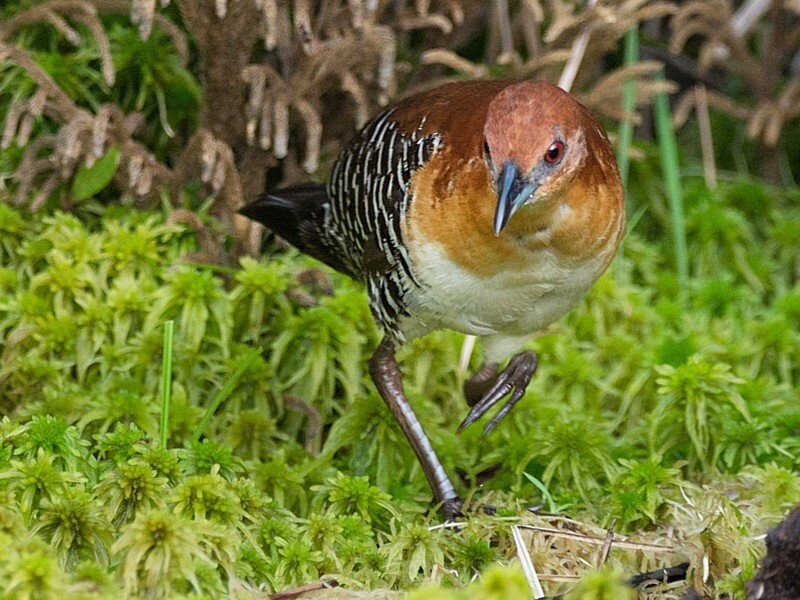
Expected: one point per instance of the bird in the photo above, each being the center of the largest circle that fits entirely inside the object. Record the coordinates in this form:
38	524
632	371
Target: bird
488	207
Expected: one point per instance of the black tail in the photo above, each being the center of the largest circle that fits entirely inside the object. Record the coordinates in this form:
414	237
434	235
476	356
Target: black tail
297	215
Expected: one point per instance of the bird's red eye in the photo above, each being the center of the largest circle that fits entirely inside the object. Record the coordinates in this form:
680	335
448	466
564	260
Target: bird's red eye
554	153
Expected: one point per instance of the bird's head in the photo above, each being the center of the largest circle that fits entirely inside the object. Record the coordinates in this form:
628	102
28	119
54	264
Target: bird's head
534	144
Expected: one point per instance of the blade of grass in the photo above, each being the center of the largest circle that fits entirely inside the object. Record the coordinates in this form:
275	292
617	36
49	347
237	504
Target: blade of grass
223	393
551	505
625	136
669	163
166	382
625	133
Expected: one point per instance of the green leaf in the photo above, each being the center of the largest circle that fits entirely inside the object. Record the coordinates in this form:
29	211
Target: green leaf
90	180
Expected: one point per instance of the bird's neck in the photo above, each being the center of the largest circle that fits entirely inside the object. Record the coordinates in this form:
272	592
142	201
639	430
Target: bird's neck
593	220
584	221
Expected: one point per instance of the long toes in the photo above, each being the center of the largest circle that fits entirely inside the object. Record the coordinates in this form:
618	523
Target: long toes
516	397
473	415
476	386
500	389
515	377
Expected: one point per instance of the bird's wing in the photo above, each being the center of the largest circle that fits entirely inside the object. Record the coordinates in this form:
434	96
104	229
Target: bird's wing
298	215
369	196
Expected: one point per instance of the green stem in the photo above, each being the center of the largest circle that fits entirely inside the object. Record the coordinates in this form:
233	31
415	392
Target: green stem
166	382
625	132
625	136
669	163
223	393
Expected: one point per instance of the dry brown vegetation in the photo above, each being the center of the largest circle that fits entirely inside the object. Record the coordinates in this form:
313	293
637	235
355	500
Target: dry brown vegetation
285	82
757	45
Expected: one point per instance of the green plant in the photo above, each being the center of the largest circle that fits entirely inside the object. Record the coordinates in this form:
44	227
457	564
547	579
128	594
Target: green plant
699	393
642	410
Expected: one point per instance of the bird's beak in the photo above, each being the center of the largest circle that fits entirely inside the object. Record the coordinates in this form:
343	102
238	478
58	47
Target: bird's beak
514	191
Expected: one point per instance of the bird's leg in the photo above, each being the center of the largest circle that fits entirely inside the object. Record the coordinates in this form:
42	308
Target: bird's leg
514	379
388	379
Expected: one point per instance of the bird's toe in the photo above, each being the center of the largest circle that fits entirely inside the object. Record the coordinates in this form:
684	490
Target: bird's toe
476	386
514	380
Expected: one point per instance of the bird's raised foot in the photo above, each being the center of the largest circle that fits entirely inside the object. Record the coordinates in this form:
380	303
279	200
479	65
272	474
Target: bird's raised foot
476	386
514	380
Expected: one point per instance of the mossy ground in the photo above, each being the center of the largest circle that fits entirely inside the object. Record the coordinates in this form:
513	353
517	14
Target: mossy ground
671	415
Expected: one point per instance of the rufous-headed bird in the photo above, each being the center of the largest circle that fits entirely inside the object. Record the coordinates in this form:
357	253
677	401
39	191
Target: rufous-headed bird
487	207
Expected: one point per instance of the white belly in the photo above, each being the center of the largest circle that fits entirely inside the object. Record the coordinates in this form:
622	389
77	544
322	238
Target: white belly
514	303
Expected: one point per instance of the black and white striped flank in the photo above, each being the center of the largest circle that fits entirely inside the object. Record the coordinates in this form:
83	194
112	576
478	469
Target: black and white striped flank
369	196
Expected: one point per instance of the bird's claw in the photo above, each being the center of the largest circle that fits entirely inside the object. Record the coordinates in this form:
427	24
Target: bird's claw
450	509
514	379
454	509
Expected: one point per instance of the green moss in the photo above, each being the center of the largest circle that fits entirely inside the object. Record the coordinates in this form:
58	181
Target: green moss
641	408
602	585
